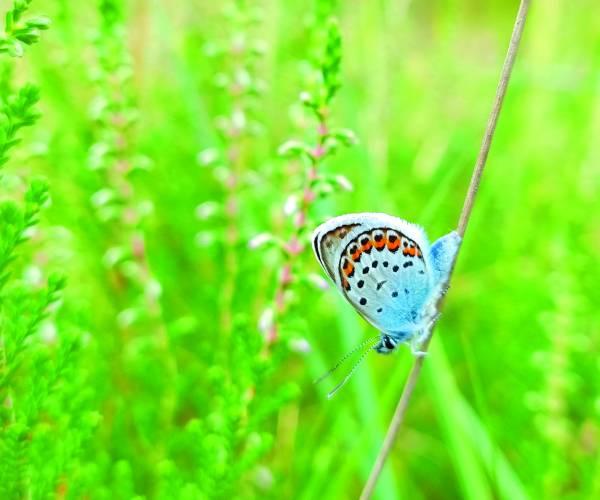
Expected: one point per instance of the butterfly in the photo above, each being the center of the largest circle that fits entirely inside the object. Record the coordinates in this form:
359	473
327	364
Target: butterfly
385	267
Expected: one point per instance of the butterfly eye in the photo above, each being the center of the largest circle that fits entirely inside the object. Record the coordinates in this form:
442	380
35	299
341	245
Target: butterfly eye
388	342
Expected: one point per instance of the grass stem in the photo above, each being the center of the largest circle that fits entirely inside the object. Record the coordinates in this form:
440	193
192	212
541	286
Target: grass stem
465	215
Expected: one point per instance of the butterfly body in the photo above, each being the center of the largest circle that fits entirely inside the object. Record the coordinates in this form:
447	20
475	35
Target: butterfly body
385	268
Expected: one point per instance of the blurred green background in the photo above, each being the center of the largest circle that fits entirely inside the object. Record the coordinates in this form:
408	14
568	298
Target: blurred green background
178	361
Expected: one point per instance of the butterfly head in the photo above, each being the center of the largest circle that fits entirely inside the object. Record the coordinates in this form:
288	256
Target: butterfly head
387	344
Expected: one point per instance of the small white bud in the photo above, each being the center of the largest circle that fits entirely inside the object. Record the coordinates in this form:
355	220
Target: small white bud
318	281
259	240
291	205
207	157
206	210
33	275
48	332
300	345
305	96
102	197
263	477
242	78
126	317
113	256
238	119
265	322
153	289
344	183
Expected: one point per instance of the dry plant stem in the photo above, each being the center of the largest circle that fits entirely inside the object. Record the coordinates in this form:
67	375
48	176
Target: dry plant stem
493	119
462	225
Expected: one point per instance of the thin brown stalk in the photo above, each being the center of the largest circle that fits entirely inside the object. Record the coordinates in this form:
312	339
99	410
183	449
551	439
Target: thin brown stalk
462	226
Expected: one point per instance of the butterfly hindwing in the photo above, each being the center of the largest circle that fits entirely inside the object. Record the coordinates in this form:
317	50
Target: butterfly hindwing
443	253
381	264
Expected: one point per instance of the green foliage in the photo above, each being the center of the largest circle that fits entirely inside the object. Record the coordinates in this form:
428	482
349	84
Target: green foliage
17	111
332	58
18	31
38	352
162	317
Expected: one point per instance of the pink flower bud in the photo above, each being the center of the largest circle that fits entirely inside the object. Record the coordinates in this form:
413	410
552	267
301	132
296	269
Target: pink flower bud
319	152
300	219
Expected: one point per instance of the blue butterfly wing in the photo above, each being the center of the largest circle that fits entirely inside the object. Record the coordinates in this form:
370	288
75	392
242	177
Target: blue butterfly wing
381	265
391	283
443	253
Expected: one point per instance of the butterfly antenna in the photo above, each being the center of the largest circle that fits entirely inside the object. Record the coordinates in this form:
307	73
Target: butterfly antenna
351	372
346	356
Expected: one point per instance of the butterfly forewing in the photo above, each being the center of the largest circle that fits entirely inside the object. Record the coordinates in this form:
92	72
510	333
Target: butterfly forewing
380	264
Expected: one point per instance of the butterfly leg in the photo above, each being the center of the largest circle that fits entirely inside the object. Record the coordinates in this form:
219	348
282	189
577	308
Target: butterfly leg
415	345
417	341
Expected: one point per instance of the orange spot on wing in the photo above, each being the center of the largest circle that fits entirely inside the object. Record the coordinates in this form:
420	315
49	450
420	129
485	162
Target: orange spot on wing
379	245
412	251
348	269
356	255
366	247
394	245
